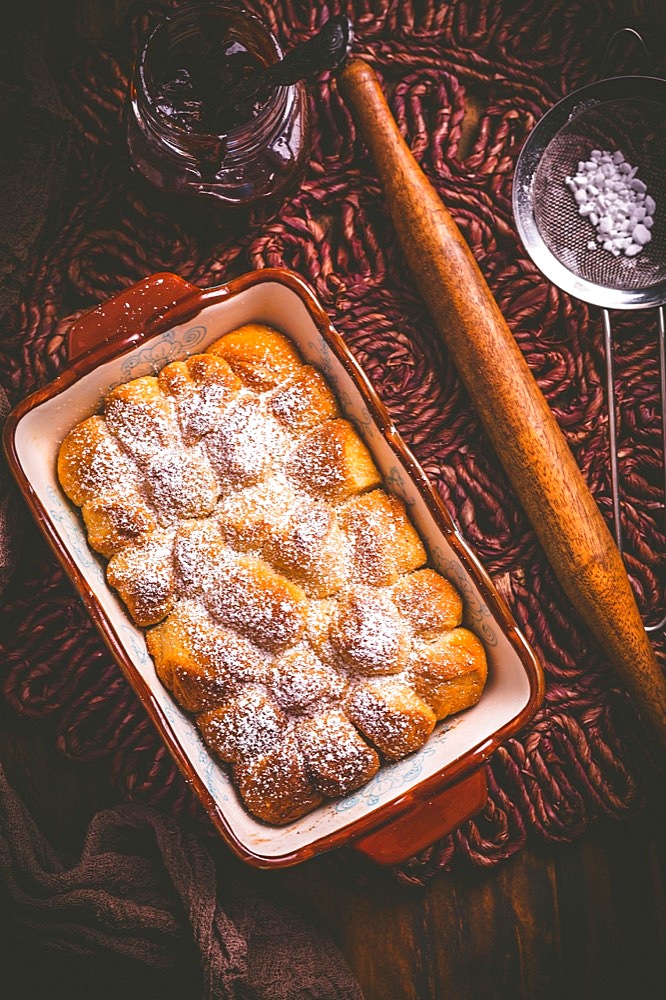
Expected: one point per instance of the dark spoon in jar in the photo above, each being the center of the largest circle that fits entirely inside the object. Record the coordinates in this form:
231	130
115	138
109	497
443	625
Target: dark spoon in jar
227	87
327	50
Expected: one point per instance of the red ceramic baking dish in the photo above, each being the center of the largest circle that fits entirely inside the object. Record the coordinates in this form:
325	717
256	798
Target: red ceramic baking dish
408	804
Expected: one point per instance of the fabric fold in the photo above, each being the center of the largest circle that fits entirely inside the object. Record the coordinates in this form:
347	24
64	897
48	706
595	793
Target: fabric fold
147	888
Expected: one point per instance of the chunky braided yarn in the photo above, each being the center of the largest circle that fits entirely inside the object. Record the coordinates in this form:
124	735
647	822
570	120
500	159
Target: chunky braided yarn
581	757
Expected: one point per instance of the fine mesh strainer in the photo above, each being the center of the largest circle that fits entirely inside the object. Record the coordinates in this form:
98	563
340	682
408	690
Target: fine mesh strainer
626	113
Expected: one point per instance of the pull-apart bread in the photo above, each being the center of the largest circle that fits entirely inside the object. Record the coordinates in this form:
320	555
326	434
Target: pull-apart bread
286	596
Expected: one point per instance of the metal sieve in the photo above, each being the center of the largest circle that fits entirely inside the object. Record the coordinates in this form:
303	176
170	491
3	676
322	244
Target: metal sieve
626	113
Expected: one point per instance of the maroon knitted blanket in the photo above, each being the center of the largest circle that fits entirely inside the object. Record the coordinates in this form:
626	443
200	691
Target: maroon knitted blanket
582	757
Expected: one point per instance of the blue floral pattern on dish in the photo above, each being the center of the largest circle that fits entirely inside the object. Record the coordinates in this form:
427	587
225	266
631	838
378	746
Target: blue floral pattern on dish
170	346
398	484
475	609
136	646
70	532
391	778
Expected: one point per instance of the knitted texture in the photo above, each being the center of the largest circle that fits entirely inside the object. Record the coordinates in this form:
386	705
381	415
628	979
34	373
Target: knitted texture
582	755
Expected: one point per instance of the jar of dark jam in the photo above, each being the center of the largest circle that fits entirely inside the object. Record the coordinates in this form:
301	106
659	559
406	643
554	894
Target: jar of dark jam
182	136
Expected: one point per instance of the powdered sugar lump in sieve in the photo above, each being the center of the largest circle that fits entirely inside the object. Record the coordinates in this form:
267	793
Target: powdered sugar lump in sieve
609	193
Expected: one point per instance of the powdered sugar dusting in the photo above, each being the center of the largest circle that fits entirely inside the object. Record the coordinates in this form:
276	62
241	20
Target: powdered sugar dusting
203	387
181	483
247	726
369	634
337	757
246	444
198	549
391	715
271	597
143	575
304	400
142	420
301	680
318	464
91	462
249	596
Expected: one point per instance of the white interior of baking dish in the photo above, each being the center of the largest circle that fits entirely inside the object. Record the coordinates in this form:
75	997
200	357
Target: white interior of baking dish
508	690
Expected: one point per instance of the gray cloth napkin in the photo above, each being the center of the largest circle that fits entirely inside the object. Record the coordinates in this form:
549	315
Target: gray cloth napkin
147	888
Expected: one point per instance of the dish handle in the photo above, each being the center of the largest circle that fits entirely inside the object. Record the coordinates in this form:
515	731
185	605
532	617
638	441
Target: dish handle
425	821
131	316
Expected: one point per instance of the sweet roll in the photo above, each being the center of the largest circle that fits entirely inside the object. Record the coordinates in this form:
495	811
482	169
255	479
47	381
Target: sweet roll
332	462
336	756
116	519
391	715
200	662
143	576
384	542
91	462
202	387
260	356
450	672
140	417
287	600
276	786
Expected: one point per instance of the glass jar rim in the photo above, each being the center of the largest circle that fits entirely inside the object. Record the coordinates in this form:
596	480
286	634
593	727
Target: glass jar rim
181	13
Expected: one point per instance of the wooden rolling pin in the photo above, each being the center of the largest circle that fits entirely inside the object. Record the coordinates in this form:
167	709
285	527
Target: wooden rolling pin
515	414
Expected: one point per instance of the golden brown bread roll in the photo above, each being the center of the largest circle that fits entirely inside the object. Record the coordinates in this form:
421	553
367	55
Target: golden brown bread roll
320	616
304	400
368	634
140	417
429	602
143	576
114	520
180	483
246	445
247	726
277	787
252	518
391	716
248	595
299	679
336	757
201	663
198	547
297	534
450	672
260	356
331	461
311	549
203	385
383	539
91	463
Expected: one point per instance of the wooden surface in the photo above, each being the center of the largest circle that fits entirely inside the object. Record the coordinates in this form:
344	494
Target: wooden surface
581	921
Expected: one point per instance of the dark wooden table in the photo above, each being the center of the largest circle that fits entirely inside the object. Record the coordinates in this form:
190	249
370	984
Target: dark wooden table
581	921
584	920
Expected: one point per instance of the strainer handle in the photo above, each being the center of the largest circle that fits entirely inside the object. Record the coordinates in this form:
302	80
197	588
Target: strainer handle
662	381
612	427
630	29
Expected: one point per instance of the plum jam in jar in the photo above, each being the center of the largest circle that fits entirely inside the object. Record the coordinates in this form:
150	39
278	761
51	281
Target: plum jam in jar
182	136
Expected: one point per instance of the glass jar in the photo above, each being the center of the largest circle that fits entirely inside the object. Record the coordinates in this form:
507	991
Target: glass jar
182	143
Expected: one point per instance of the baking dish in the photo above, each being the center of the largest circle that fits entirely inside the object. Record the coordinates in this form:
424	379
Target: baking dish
409	804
